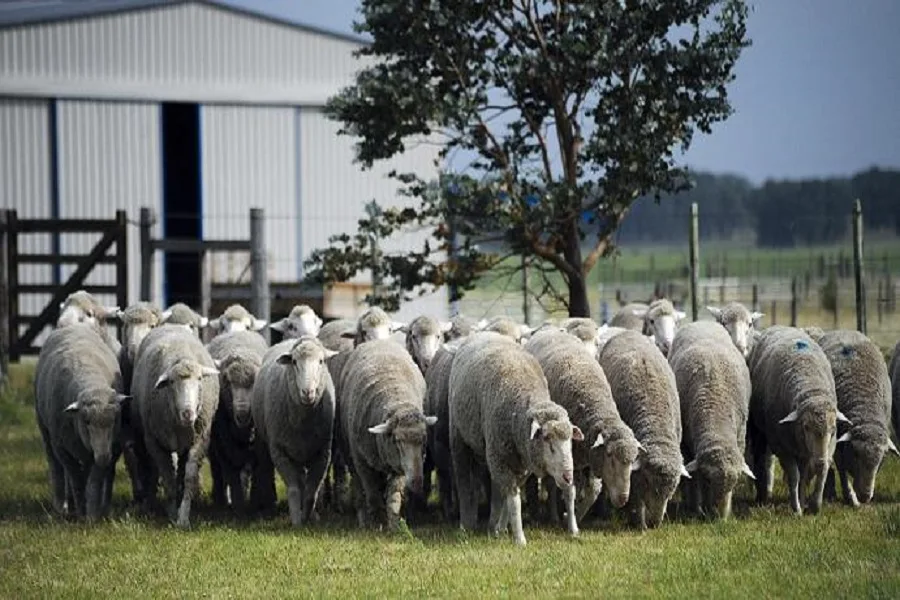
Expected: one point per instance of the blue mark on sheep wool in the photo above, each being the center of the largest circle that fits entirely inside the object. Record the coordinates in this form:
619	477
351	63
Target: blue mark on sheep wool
847	351
801	345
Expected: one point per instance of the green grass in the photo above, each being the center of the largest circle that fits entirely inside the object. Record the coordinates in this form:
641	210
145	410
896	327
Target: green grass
763	552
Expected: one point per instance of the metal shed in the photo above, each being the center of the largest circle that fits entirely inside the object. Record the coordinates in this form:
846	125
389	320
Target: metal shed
194	108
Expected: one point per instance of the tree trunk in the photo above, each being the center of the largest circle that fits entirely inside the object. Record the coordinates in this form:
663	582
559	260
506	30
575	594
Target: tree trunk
578	301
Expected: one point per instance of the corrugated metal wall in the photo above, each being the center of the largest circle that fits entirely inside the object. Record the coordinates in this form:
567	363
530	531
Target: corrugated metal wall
249	159
143	54
334	192
109	159
25	184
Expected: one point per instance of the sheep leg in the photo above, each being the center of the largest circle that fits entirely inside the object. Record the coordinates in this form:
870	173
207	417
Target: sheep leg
233	483
315	477
77	482
499	518
818	476
847	488
444	468
762	465
571	521
552	499
292	481
220	482
393	500
637	512
57	474
162	460
339	472
191	485
514	510
94	492
533	498
590	492
262	489
792	479
464	472
373	490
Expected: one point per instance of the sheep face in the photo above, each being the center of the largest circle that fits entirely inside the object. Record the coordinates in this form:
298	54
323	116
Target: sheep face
81	307
815	428
655	483
306	361
184	380
239	375
615	460
551	450
739	323
406	432
661	325
423	339
298	324
98	420
717	473
862	453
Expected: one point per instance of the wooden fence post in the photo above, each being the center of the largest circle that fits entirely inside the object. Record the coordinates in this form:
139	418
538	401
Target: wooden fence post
4	301
755	297
146	225
12	283
695	261
794	300
858	266
259	273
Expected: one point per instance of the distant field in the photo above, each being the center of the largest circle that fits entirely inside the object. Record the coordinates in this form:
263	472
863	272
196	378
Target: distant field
763	552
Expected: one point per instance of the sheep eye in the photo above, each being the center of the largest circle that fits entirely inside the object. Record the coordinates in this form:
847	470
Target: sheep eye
652	321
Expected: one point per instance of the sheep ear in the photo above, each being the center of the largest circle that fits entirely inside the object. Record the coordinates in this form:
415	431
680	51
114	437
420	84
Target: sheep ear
842	417
480	325
446	326
258	324
165	315
213	323
381	428
715	312
218	363
329	353
680	315
639	312
73	407
162	382
535	429
892	448
641	448
431	420
756	316
637	464
748	471
577	434
209	371
792	416
398	326
284	359
204	322
278	326
845	438
684	472
691	466
450	347
599	441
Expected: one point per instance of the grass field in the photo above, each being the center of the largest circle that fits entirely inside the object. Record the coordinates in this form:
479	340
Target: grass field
763	552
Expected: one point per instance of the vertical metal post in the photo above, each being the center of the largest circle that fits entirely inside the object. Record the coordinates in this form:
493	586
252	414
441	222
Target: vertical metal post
205	286
146	225
755	297
122	259
858	266
526	305
794	300
259	272
695	261
4	301
12	282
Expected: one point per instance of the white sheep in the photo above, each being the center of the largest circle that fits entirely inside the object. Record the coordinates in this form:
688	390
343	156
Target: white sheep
235	318
302	320
739	322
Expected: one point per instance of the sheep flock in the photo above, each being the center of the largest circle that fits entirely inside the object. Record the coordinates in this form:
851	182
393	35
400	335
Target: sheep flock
516	424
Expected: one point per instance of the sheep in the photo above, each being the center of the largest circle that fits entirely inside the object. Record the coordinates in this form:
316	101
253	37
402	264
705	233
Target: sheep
438	456
239	357
293	409
713	383
505	326
630	316
383	427
586	330
739	322
235	318
607	332
895	387
578	384
424	335
332	334
460	327
78	402
864	396
182	314
660	320
644	390
501	415
793	413
137	321
82	307
176	391
302	320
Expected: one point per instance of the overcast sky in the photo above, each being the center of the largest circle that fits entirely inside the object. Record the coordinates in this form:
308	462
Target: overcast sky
817	94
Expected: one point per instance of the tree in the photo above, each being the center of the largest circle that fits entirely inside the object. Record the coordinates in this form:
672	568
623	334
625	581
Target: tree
572	110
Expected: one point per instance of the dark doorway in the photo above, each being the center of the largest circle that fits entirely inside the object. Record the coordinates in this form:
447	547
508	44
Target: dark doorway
182	202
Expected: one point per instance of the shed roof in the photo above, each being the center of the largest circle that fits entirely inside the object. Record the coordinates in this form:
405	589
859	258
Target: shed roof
19	13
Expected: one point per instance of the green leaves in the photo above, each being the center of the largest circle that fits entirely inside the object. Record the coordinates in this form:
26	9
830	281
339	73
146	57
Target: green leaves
582	104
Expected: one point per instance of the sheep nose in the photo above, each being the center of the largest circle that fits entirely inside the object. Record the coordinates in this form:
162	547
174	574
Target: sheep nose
567	477
416	485
621	500
187	416
102	460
